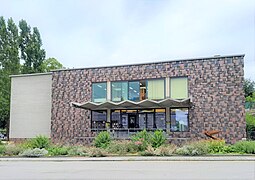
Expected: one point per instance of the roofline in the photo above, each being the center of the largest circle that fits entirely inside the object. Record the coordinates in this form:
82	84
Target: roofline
135	64
34	74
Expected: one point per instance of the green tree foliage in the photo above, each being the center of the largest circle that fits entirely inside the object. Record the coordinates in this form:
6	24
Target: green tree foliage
51	64
249	87
9	64
30	44
19	44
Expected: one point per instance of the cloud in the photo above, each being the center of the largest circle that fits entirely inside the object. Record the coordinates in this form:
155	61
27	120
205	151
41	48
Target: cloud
93	33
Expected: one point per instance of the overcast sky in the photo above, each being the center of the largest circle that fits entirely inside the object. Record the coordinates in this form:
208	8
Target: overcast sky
104	32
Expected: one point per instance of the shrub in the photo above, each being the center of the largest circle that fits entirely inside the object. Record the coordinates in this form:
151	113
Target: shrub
102	140
2	149
250	122
218	146
141	140
166	150
77	151
96	152
34	152
244	147
39	141
13	150
149	151
193	149
122	147
157	139
57	150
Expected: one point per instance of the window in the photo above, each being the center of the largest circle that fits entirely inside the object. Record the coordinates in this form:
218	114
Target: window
134	90
179	88
156	89
99	92
160	118
98	119
119	91
179	119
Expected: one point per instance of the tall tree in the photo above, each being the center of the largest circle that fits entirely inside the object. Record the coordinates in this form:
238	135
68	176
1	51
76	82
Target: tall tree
9	64
31	48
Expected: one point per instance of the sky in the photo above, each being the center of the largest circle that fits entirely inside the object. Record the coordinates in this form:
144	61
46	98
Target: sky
86	33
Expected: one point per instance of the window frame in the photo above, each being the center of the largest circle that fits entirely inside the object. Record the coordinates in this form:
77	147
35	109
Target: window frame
92	89
188	129
91	119
176	77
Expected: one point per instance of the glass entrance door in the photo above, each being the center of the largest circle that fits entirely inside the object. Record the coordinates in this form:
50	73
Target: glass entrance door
131	121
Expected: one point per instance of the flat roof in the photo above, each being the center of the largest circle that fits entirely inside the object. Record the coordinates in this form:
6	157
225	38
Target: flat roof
134	64
34	74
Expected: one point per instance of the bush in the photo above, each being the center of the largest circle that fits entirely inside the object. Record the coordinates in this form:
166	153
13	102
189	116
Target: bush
102	140
157	139
39	141
148	152
57	150
193	149
34	152
141	140
166	150
96	152
218	146
122	147
250	122
77	151
2	149
244	147
13	150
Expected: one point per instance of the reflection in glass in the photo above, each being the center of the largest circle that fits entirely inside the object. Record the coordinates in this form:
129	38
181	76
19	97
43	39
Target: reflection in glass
98	119
134	91
99	92
119	91
179	119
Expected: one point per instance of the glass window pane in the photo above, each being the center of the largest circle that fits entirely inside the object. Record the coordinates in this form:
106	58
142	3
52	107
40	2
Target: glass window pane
156	89
179	119
134	91
115	119
119	91
142	121
160	118
98	119
179	88
150	120
99	92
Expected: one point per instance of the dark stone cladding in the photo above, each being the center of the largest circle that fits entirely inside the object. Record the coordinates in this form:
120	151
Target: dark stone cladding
215	84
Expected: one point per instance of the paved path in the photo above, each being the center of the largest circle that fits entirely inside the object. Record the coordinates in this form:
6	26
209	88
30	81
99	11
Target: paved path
195	170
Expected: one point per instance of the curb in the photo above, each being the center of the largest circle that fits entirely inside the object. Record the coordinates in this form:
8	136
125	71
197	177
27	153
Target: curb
172	158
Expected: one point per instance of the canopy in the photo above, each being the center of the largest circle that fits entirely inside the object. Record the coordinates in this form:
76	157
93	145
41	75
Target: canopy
127	104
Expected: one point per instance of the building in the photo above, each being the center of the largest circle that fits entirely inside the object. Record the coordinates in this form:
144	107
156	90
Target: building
184	98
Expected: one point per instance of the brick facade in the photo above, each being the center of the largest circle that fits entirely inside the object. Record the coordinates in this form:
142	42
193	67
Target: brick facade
215	85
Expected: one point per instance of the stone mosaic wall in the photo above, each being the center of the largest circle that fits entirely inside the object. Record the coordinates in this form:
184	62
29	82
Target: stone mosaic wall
215	85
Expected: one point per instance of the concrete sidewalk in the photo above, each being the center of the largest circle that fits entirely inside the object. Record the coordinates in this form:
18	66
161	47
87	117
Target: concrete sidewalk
137	158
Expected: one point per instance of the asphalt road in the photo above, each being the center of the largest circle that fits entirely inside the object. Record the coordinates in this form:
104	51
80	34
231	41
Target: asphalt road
128	170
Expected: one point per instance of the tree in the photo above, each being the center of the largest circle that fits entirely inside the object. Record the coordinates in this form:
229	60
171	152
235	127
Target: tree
9	64
249	87
51	64
30	44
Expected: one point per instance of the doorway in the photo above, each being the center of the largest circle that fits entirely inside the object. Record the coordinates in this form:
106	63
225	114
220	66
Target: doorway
131	120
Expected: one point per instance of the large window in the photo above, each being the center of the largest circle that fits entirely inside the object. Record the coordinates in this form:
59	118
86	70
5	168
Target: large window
179	119
139	119
179	87
119	91
156	89
99	92
98	119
